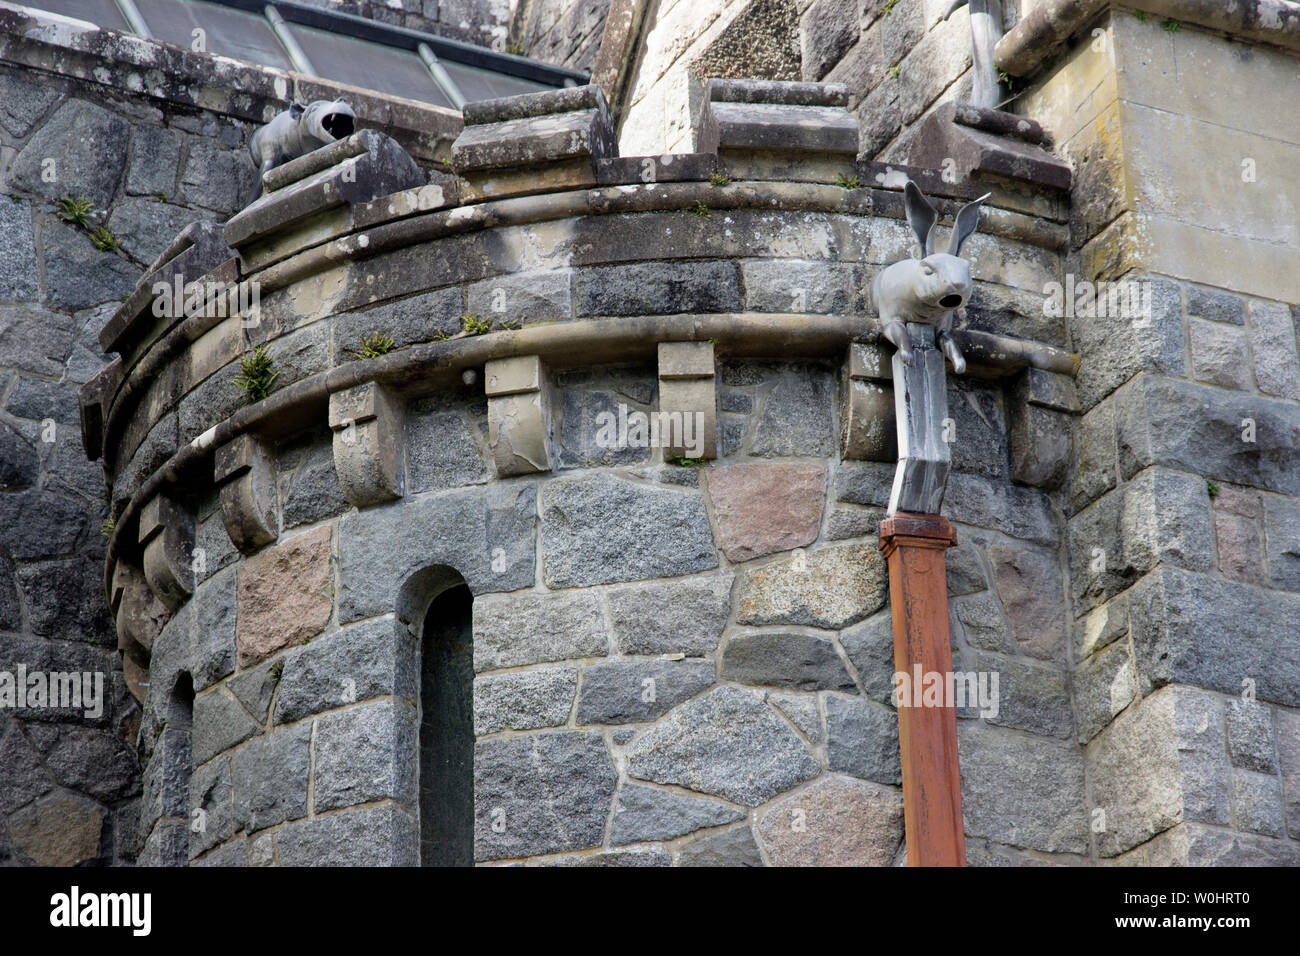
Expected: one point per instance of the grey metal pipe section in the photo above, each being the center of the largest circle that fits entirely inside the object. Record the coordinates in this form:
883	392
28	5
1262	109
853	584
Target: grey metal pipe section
297	56
134	18
441	76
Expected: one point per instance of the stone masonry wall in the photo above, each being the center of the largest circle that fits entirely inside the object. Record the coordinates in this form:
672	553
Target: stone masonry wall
148	166
1183	512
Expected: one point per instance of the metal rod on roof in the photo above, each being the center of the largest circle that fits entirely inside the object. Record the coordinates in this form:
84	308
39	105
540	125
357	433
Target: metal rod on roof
441	76
134	18
297	56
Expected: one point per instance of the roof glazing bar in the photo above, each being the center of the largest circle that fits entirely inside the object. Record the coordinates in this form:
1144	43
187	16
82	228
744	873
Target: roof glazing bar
441	76
134	18
297	56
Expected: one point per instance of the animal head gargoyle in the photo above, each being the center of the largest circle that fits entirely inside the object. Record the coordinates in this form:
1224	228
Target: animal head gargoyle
932	288
300	130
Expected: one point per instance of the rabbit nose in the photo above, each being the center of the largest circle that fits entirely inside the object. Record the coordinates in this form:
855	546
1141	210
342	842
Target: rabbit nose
951	301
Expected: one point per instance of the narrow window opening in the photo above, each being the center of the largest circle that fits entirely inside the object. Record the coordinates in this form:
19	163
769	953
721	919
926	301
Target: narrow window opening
447	731
178	766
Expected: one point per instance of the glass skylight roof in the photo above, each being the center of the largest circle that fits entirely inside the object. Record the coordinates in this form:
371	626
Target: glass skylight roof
333	46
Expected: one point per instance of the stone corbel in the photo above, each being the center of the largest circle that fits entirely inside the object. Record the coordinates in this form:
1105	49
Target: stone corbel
867	430
167	537
519	415
688	388
369	444
139	617
250	510
1040	405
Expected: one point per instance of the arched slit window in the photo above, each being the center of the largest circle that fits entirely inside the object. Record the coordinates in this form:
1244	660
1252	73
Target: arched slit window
447	731
178	767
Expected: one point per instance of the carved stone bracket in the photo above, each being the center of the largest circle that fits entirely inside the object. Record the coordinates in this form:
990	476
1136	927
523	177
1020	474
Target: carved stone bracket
167	537
250	510
369	444
519	415
139	616
688	395
867	412
1039	408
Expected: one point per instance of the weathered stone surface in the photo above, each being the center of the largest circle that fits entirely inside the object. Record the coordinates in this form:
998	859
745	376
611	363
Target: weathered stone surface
620	692
220	722
1288	753
370	659
1103	686
870	647
862	739
727	743
64	599
442	452
965	570
1095	461
372	836
980	620
313	491
1193	844
802	711
835	821
1043	810
61	829
418	318
77	274
1113	352
1273	346
1030	696
784	285
1257	803
146	228
216	178
271	777
542	793
1029	583
1247	440
474	530
584	435
32	340
734	847
1203	631
19	272
87	145
212	647
366	753
1160	764
764	508
1159	517
829	588
527	629
796	415
1250	736
643	814
1239	547
25	102
1219	354
211	791
525	700
656	288
798	661
1282	527
285	595
826	31
25	778
1021	512
641	856
598	529
684	617
152	161
1215	304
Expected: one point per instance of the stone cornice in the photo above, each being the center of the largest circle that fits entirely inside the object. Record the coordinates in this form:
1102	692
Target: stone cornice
1052	22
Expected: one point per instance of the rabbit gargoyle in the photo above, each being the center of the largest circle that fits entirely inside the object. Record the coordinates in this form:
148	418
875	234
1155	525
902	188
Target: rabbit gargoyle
932	289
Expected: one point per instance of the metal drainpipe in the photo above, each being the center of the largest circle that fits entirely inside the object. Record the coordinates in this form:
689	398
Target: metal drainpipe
441	76
297	56
134	19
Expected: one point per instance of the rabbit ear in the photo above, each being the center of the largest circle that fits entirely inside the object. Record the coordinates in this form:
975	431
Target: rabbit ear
963	227
920	216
